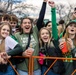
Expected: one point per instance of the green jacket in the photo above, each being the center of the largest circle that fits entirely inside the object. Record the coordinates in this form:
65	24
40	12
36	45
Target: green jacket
23	40
54	24
12	36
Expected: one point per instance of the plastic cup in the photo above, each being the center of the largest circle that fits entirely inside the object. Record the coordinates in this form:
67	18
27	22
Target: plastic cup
31	49
64	49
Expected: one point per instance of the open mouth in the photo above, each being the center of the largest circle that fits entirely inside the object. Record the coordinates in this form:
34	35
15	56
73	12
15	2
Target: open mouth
27	27
72	30
45	38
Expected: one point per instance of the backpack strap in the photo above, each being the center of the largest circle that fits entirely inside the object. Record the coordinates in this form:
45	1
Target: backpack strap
29	39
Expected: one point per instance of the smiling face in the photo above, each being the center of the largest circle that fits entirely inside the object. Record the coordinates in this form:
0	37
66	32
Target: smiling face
26	25
71	28
45	36
5	31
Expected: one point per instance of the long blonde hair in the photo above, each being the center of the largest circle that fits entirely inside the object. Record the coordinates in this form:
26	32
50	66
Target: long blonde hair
66	35
2	44
40	40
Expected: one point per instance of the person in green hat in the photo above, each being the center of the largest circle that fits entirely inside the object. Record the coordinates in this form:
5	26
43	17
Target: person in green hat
69	35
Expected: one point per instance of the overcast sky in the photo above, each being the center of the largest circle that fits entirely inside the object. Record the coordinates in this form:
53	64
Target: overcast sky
39	3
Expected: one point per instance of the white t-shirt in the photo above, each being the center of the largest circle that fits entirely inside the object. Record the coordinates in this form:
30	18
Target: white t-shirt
10	43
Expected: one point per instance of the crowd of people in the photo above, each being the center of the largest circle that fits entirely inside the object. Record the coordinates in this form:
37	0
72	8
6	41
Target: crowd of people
35	38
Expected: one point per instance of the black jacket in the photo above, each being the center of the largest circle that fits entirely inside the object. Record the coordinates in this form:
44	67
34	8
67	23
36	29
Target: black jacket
54	51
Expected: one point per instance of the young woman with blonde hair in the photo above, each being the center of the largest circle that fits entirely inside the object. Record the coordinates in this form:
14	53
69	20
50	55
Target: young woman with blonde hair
8	47
70	38
49	46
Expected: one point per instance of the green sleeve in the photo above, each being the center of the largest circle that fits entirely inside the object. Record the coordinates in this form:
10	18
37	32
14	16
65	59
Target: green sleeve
16	51
54	24
61	35
12	36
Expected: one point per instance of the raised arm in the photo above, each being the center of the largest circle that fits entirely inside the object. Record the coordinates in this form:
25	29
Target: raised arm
41	15
53	18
